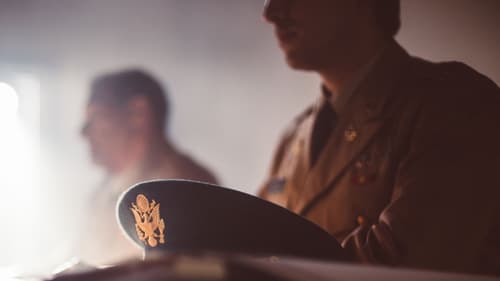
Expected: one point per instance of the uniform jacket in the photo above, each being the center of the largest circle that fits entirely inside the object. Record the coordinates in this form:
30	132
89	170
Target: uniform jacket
410	176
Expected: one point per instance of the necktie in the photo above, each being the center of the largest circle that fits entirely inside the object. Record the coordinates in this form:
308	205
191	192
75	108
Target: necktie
322	129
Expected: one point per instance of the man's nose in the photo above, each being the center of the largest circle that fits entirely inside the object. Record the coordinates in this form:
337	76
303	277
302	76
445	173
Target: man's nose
275	10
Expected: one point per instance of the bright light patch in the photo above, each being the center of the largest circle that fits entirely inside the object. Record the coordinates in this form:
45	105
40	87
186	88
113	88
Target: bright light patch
9	102
19	174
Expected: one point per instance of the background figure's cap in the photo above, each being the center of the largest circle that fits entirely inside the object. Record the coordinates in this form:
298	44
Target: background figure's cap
185	216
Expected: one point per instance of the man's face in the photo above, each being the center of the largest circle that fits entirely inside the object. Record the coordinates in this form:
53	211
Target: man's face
312	33
106	131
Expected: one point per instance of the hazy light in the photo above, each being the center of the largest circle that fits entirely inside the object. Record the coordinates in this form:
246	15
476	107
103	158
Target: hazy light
19	172
9	102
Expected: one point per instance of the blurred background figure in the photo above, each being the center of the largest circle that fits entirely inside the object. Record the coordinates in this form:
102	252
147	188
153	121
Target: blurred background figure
127	115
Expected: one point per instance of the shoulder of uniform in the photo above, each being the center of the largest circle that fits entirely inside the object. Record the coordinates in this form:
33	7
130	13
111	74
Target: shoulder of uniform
450	74
450	80
290	132
306	113
182	165
451	88
297	121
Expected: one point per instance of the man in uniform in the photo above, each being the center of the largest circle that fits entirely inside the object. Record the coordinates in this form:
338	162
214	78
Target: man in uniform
399	158
127	115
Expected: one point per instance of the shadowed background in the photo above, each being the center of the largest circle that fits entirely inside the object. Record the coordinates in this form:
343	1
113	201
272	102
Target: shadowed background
230	89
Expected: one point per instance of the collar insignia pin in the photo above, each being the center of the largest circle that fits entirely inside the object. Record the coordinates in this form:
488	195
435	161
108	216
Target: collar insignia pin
350	134
149	226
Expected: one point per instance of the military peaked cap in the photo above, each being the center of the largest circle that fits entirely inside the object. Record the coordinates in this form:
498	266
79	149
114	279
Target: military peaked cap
177	216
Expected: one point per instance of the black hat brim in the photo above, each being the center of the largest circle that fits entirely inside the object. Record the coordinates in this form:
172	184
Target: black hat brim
201	217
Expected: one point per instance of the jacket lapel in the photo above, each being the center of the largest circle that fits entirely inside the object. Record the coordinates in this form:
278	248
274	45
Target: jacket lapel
358	125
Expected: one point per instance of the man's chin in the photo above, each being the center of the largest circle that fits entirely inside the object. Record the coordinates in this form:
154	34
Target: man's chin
299	61
298	64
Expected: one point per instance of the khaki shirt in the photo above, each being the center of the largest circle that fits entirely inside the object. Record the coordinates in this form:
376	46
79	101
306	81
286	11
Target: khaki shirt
102	242
411	173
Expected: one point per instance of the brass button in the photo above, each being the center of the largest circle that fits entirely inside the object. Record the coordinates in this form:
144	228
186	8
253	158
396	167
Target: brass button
361	220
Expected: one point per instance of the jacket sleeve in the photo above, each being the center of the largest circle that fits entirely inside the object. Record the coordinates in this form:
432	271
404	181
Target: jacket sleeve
446	190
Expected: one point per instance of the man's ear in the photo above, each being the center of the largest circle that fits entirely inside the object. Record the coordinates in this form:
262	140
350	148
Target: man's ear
139	113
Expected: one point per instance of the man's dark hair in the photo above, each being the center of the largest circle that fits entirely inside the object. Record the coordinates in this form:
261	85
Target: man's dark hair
388	16
118	88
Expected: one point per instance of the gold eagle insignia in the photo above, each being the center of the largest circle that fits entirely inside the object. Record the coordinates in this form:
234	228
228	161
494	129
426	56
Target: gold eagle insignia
149	226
